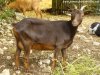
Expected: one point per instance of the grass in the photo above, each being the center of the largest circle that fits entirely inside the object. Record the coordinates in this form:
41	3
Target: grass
83	65
7	14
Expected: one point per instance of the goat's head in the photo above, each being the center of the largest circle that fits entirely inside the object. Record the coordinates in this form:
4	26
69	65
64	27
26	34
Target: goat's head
77	16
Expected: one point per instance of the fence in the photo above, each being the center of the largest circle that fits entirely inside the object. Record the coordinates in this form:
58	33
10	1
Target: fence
65	6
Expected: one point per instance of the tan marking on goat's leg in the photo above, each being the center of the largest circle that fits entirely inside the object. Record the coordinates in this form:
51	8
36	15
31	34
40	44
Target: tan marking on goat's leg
56	53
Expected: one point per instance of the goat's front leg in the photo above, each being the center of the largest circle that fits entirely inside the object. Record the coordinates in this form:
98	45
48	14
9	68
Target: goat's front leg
17	55
64	55
54	60
24	11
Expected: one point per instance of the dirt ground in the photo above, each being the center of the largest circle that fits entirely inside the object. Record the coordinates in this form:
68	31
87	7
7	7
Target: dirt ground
84	44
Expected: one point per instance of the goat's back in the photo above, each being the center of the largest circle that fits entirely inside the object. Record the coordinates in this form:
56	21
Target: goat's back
44	31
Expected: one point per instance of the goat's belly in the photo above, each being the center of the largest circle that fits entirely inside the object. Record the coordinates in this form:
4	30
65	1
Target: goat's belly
42	47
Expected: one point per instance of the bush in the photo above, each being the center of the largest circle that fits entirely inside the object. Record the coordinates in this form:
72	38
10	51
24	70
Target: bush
4	2
81	66
7	14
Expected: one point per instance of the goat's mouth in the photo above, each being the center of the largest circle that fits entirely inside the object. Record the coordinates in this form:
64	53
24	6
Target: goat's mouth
75	23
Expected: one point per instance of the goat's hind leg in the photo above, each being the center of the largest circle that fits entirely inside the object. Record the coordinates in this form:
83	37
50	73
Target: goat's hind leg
64	55
17	55
26	56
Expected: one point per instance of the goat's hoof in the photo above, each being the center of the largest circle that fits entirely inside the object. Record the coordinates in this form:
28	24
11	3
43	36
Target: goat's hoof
27	70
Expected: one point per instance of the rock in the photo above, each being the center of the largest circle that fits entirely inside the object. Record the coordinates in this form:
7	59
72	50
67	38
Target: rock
8	57
14	74
82	37
9	34
33	66
31	51
19	16
9	27
75	47
51	55
5	24
45	61
80	30
43	66
5	72
5	48
79	54
87	40
18	72
1	51
40	63
2	66
11	42
46	69
13	63
87	50
96	43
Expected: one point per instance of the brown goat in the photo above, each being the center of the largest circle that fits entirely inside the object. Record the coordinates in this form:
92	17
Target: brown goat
24	5
32	33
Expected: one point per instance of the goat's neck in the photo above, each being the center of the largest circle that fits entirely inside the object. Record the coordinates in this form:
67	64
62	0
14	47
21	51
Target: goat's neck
73	29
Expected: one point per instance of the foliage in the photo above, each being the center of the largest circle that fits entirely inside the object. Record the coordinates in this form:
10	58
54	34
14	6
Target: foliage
81	66
4	2
7	14
63	6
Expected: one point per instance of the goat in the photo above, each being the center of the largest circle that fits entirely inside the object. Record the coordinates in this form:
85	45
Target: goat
24	5
95	28
32	33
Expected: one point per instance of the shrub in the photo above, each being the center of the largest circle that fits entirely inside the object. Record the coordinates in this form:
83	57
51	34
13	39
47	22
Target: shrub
4	2
7	14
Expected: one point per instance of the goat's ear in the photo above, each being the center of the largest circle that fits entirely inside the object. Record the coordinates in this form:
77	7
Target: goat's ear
83	7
